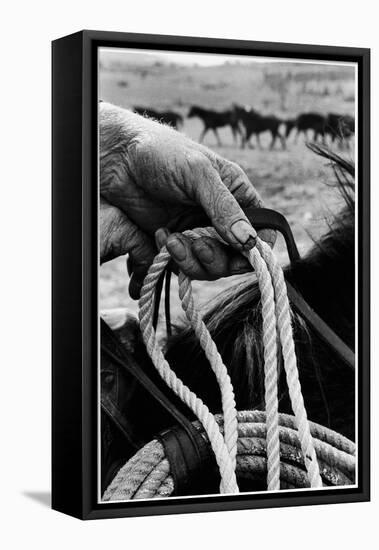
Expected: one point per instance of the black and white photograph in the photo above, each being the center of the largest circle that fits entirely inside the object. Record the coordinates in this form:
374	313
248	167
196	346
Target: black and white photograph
188	282
227	275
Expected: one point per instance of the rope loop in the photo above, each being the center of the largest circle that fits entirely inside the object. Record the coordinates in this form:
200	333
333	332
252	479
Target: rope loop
224	447
147	474
276	325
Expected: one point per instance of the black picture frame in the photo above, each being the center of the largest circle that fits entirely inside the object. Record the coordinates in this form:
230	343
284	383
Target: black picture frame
74	272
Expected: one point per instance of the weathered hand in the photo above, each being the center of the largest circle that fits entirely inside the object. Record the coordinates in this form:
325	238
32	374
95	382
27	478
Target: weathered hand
153	177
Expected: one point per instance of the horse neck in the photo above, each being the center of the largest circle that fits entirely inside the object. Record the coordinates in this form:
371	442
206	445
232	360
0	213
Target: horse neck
326	279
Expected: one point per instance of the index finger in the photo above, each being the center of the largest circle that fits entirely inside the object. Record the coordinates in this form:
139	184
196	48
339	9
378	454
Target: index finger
220	205
237	182
244	192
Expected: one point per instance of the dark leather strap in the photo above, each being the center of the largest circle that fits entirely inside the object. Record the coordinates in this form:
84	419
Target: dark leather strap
199	456
260	218
192	466
320	327
265	218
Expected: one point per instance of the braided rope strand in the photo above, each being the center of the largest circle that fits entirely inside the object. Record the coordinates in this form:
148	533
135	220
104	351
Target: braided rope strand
270	369
222	455
290	363
270	356
214	358
270	360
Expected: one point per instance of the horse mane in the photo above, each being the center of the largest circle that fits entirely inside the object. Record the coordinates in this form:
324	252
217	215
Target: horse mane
325	278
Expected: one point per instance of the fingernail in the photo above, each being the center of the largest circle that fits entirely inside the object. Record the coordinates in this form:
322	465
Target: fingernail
161	236
250	243
205	253
244	233
162	231
176	248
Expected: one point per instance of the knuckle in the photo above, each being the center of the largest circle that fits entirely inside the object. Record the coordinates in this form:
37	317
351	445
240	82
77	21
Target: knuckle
111	172
142	151
197	162
225	206
192	270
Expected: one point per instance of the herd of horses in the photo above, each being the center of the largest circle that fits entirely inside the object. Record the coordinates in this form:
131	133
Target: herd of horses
246	122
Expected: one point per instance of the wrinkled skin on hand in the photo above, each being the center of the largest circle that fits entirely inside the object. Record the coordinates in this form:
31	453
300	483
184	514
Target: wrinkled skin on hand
153	178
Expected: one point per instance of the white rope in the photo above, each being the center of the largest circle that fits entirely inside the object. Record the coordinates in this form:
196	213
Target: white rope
147	474
283	315
270	369
270	355
214	358
225	449
276	325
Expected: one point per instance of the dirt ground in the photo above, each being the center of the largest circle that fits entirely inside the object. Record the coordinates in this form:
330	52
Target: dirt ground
295	182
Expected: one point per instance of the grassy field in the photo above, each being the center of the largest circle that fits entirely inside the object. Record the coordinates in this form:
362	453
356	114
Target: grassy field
292	181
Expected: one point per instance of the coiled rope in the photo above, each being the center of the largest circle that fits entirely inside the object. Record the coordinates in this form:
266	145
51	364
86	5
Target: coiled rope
147	474
276	327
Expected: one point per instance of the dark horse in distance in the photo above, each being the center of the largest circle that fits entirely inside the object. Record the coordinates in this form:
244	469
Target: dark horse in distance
255	124
213	120
325	277
307	121
338	127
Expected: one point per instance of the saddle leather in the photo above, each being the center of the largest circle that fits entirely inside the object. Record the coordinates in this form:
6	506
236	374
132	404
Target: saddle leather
134	396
